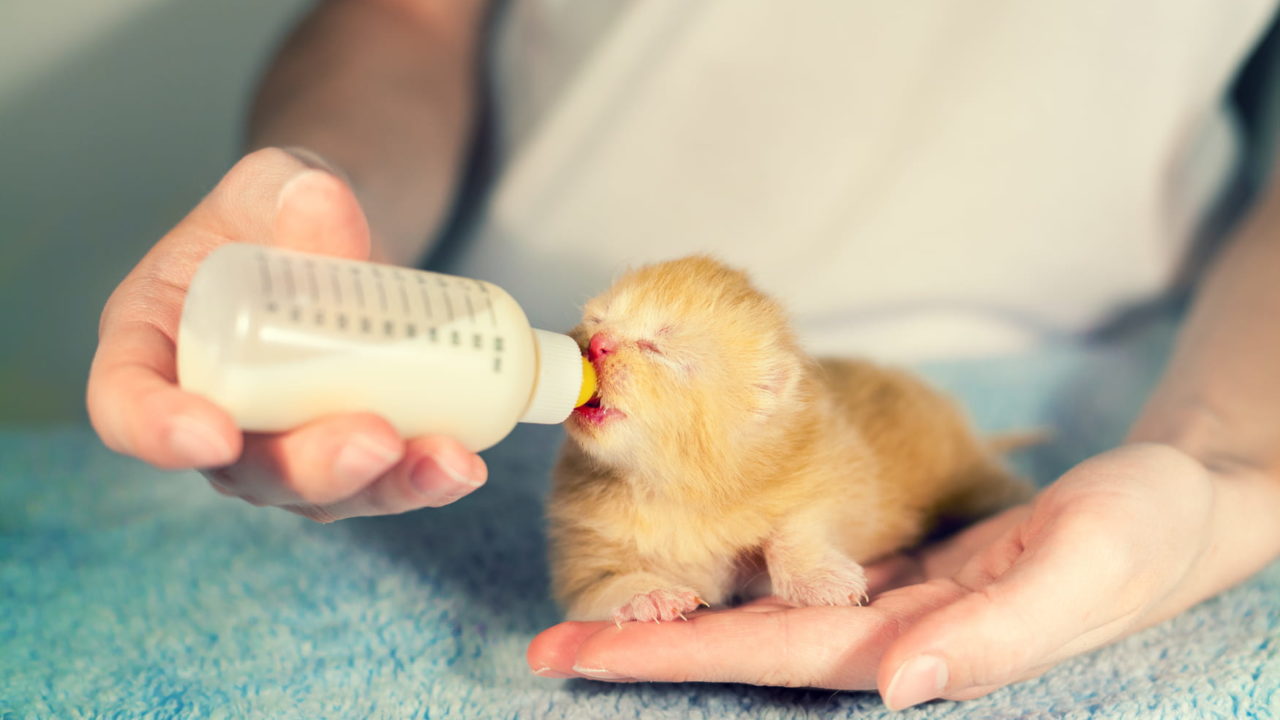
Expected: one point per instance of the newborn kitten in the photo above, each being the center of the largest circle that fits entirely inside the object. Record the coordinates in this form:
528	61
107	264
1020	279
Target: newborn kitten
715	446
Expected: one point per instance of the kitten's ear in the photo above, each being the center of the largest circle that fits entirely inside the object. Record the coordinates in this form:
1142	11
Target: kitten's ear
777	388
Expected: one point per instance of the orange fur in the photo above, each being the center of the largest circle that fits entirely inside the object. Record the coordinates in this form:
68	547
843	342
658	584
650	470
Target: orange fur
725	446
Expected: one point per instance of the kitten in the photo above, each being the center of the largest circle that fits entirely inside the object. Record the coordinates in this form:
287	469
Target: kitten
714	446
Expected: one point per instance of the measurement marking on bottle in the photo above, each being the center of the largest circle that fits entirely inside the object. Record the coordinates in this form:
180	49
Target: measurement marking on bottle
389	329
289	289
382	289
355	280
431	335
426	299
342	321
497	343
471	309
337	286
273	307
410	330
320	318
455	338
404	294
366	325
493	313
448	304
497	364
296	315
477	341
266	273
311	281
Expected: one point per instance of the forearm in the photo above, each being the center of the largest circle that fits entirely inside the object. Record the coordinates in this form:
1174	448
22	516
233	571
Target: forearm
1219	399
385	91
1219	404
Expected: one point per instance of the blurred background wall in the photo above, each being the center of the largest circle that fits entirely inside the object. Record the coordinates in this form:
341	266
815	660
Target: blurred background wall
116	116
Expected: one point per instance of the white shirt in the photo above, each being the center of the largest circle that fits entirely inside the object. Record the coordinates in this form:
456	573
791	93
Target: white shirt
911	179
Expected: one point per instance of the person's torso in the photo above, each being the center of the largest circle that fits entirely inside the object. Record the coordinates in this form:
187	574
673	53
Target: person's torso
909	179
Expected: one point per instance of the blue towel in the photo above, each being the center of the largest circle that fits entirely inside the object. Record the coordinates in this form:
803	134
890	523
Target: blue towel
126	592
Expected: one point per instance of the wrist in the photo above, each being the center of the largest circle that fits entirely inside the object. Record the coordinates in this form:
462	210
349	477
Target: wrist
1194	428
1222	521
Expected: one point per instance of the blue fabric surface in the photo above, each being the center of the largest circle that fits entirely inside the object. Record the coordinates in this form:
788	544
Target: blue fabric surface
132	593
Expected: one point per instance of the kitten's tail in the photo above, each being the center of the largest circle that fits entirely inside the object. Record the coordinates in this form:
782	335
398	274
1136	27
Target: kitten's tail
1011	441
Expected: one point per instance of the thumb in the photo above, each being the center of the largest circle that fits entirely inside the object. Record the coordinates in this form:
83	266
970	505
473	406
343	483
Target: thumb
317	212
1023	609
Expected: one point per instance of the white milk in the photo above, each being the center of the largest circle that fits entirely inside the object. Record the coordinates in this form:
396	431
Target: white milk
278	338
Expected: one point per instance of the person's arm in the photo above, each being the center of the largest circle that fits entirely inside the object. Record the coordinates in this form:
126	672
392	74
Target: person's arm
1186	509
1219	399
383	90
379	92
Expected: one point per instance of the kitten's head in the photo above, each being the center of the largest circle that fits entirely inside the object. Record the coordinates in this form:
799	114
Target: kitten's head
691	359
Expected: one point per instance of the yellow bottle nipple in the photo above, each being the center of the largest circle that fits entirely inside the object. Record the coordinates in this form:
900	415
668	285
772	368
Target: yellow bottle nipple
588	383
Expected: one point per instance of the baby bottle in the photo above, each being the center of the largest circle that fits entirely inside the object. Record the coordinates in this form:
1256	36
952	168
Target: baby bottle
278	338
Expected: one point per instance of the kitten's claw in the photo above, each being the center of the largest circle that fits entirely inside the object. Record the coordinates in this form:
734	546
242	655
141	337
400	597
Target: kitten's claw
663	605
842	584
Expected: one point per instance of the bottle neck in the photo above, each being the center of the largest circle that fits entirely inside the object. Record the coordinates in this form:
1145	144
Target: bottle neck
558	379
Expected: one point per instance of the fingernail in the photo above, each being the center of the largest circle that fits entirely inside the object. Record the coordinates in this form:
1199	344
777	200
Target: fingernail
291	186
547	672
363	459
439	480
921	678
197	443
599	674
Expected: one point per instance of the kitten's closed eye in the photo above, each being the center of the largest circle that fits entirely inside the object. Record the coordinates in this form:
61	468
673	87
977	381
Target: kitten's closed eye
647	346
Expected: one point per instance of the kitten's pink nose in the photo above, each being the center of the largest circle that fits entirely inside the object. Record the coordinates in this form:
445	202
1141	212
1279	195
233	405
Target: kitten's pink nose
601	345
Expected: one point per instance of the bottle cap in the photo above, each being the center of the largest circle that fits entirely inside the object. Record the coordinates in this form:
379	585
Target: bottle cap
558	381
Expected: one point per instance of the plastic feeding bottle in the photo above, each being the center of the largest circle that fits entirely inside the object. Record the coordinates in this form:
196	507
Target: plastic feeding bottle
278	338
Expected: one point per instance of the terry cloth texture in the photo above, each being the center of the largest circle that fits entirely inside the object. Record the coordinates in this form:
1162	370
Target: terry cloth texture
127	592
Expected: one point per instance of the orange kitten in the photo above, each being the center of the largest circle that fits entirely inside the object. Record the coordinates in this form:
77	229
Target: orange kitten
717	445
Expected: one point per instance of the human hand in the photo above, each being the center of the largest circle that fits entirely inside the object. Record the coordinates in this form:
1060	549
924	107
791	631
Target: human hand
1122	541
332	468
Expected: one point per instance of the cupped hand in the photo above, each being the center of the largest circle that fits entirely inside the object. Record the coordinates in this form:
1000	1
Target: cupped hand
1115	545
331	468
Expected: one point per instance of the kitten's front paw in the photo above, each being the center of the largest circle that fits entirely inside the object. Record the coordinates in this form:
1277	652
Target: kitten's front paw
662	605
841	583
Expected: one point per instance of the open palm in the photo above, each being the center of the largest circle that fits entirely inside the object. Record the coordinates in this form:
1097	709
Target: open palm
1097	555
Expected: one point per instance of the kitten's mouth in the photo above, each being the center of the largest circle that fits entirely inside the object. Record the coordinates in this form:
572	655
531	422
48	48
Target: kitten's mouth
596	412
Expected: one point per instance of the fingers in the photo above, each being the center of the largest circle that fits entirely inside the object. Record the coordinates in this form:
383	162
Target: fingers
833	647
434	472
348	466
1024	609
288	199
317	212
553	653
319	463
137	410
269	196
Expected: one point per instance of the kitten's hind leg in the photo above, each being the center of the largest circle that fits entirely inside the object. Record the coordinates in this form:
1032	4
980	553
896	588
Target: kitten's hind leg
806	570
